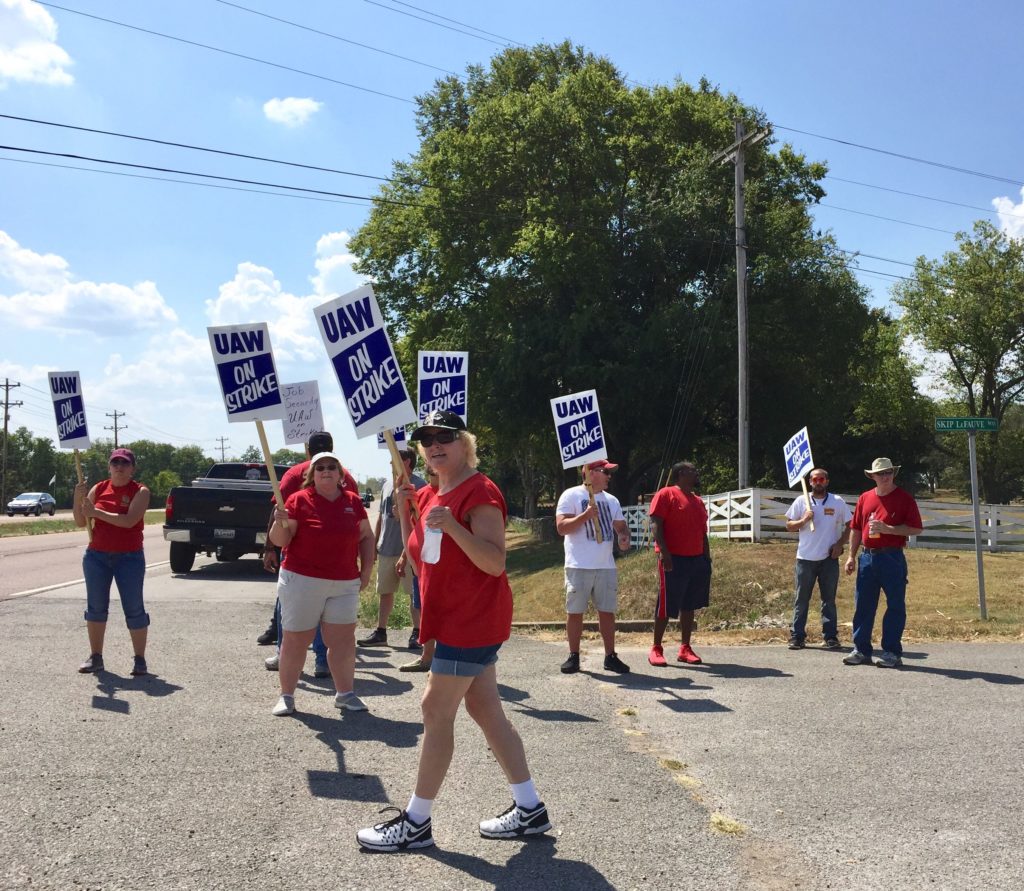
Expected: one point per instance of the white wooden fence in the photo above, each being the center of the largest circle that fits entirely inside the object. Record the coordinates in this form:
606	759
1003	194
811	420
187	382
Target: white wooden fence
759	514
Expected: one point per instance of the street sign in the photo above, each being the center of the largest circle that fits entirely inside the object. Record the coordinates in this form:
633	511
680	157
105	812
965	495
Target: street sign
948	425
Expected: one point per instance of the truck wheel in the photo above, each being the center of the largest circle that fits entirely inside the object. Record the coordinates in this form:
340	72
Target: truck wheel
226	555
182	557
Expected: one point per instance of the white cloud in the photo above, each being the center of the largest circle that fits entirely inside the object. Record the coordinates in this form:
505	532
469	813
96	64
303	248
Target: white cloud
46	297
28	46
334	265
290	112
1011	216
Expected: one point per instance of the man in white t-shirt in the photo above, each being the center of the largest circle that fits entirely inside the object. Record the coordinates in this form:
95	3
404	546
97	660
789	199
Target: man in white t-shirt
590	572
817	557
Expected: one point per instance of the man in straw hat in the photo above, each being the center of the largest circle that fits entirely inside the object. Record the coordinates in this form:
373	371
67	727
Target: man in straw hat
884	518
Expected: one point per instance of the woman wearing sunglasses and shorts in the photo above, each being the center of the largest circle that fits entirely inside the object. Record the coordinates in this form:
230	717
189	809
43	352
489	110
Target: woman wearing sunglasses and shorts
327	562
458	545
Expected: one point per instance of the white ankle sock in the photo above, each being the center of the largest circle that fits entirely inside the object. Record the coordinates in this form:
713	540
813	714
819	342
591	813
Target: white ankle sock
419	808
525	794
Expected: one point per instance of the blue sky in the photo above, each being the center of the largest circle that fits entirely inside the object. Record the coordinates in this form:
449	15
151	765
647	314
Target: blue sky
118	277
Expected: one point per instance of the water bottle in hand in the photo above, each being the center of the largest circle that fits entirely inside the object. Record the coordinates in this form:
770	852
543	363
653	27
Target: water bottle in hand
431	550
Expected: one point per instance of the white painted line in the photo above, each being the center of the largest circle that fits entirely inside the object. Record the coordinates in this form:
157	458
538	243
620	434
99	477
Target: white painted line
32	591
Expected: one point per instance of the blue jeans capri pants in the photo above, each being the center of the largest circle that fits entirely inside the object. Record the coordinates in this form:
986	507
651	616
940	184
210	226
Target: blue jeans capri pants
463	662
128	569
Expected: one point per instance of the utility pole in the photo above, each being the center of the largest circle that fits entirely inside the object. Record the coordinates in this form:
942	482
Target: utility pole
116	428
223	440
8	386
736	154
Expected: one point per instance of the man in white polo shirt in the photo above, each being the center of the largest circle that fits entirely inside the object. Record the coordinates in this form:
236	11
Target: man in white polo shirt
590	572
817	557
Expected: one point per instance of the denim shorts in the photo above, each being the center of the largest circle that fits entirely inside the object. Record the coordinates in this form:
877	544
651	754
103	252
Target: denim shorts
128	569
463	662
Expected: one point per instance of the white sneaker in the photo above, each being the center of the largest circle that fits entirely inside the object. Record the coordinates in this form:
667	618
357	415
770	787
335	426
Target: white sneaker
272	662
516	822
349	702
396	834
285	706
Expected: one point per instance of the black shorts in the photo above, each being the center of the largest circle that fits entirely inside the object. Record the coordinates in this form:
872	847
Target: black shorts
686	587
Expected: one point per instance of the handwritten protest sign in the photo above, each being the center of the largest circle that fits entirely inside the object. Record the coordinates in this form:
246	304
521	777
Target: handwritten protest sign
578	427
303	414
797	453
357	344
69	409
398	434
245	368
443	382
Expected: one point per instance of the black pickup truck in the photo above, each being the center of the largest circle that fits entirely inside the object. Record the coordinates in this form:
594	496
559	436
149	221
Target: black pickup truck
224	514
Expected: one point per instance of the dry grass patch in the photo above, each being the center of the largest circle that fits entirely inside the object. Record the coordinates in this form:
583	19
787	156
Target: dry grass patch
726	825
752	584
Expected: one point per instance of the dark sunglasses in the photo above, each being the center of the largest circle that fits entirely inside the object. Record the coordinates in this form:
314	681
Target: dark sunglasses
819	479
605	471
120	462
322	467
883	473
444	437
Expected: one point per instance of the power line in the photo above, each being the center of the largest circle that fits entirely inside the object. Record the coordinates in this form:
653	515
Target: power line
183	182
457	22
335	36
436	24
876	216
854	182
217	49
916	160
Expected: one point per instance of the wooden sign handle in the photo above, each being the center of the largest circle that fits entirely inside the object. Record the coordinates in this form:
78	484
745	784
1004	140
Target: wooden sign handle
597	520
807	498
398	466
271	470
78	469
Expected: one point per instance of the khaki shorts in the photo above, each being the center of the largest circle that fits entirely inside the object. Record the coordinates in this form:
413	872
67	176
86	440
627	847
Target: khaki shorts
387	578
306	602
584	585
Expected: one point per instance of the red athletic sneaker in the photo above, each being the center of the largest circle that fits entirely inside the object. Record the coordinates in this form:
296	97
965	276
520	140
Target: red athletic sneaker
687	655
657	656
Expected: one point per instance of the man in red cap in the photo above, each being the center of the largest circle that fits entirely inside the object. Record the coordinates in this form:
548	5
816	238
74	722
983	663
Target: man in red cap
590	573
680	524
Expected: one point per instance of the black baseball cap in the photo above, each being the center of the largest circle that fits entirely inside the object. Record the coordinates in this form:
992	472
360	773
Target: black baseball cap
438	420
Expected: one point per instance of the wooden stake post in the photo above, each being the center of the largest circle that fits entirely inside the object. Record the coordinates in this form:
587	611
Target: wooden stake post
81	479
807	498
590	491
398	467
271	470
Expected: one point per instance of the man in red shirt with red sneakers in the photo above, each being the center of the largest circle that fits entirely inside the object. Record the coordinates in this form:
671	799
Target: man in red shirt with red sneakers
680	524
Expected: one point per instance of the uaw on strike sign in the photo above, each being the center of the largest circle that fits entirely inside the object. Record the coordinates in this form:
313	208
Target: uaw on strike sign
353	331
245	368
443	382
578	427
69	409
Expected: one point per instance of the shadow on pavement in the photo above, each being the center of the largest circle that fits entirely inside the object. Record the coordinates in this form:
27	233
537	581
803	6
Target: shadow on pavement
228	571
961	674
519	697
354	727
533	865
110	684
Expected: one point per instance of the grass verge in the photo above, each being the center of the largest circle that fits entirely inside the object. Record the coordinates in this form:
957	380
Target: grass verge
39	526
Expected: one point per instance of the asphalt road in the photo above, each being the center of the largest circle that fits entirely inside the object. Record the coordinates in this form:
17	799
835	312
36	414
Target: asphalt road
834	777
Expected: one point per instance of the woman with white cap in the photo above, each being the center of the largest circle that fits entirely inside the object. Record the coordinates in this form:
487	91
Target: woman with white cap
327	562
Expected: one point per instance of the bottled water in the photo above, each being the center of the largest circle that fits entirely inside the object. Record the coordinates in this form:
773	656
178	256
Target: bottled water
431	550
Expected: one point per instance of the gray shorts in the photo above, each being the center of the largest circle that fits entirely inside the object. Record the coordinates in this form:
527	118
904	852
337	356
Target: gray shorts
585	585
306	601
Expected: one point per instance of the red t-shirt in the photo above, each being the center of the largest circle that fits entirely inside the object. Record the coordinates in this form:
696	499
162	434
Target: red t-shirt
294	476
684	520
898	508
462	605
326	540
116	500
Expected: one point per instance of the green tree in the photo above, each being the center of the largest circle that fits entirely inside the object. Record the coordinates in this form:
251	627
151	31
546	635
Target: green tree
288	456
252	455
968	307
164	481
573	232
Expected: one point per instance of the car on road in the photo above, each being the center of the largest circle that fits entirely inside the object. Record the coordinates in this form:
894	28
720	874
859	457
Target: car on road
367	498
32	503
